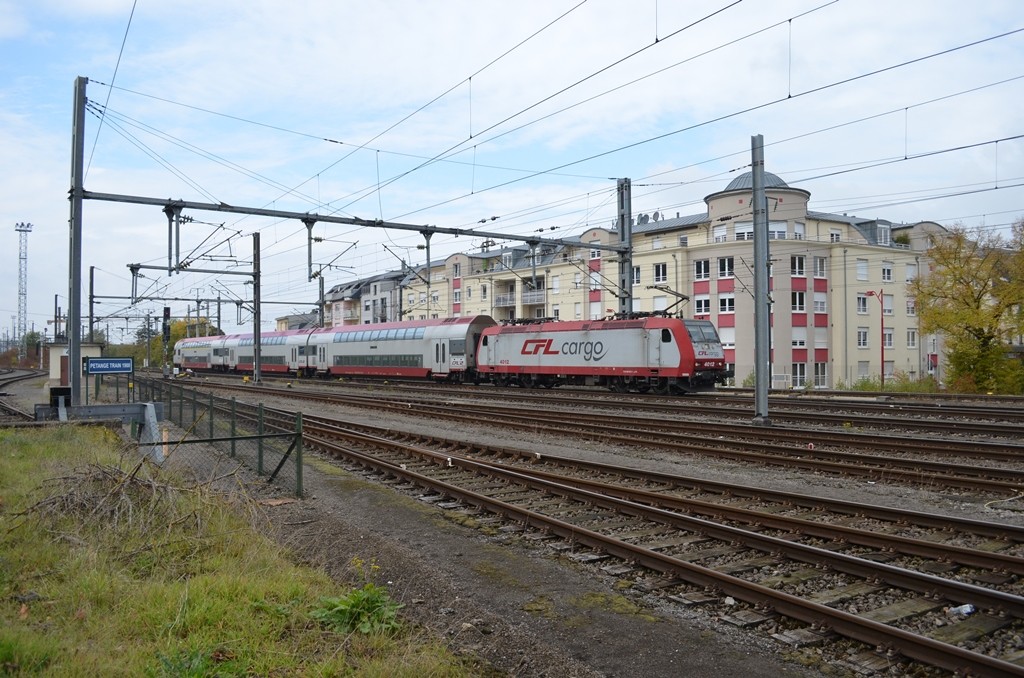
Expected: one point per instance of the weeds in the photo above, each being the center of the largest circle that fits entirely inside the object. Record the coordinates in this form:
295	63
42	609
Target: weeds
116	567
365	610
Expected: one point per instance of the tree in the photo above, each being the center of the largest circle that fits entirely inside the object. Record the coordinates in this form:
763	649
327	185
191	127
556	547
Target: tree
974	293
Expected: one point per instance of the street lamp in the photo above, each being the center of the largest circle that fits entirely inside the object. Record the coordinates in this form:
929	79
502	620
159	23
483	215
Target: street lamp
881	336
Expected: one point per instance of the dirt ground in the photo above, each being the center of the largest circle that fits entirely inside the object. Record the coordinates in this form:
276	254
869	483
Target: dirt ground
517	605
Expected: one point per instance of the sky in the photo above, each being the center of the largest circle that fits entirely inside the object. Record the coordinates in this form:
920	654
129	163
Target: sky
510	117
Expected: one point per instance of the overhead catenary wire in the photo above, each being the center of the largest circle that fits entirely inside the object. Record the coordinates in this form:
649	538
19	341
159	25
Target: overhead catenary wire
381	210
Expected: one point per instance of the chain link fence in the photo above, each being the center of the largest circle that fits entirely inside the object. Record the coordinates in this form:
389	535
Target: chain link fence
266	440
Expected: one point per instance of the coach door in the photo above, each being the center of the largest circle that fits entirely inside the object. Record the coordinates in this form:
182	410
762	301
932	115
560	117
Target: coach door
440	357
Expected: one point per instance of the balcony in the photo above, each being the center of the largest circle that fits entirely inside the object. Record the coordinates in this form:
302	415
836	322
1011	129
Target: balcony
505	300
533	297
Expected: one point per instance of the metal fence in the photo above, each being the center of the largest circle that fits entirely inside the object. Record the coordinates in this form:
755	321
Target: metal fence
265	440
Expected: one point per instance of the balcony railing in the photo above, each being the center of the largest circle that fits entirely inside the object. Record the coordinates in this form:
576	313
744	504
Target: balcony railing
503	300
534	297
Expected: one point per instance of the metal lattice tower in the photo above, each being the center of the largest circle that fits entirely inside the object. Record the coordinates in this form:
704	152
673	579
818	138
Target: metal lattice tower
23	230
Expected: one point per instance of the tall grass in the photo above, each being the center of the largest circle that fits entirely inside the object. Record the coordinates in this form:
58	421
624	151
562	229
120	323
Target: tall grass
110	566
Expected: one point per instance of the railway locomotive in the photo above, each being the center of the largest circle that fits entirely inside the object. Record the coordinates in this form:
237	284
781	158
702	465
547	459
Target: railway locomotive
653	353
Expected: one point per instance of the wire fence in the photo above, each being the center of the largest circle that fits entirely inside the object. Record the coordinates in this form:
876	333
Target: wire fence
267	441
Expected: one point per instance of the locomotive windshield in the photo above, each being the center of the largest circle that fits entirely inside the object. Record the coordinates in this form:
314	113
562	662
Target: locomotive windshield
702	331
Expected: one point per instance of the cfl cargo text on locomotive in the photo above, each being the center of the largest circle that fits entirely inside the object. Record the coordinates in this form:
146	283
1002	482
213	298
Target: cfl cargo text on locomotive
655	353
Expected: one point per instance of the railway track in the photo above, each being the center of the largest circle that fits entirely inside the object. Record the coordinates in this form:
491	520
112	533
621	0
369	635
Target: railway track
959	464
11	413
945	417
814	570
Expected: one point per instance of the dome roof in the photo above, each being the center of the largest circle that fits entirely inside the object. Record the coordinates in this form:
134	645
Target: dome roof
745	182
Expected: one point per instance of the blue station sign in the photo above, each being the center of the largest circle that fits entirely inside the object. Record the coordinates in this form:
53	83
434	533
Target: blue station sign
110	365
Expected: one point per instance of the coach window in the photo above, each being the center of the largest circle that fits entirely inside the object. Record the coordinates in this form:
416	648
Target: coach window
666	336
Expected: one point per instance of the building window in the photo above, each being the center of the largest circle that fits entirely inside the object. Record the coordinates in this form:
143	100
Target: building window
820	267
725	269
719	233
556	282
820	375
594	252
862	337
911	272
423	299
456	271
820	302
862	269
469	293
886	271
911	338
796	266
884	233
456	296
577	308
911	306
554	311
886	304
595	282
660	273
887	337
745	230
636	275
412	298
702	305
820	337
483	292
799	302
799	337
656	244
863	367
777	230
702	269
727	335
799	375
506	260
726	303
798	230
835	235
862	304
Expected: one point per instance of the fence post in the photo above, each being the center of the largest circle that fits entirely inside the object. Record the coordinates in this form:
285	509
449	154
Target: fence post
170	402
233	422
195	403
117	389
211	415
298	454
259	442
181	405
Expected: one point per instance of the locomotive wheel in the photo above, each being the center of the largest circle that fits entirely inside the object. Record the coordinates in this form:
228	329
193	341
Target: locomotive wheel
619	385
662	387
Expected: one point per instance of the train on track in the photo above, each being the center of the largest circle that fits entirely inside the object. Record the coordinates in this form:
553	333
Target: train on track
656	353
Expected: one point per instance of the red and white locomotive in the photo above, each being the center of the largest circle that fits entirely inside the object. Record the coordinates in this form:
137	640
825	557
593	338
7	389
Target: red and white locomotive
658	353
654	353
